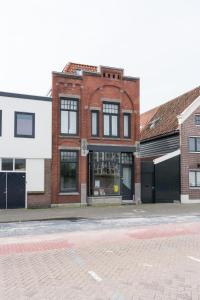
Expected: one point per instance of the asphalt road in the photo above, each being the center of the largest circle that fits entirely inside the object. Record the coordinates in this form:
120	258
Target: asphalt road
80	224
129	258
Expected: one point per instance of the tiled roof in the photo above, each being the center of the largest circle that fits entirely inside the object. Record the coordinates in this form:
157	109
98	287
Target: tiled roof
146	117
163	120
73	67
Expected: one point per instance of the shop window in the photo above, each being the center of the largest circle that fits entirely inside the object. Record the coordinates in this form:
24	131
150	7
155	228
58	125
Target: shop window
24	124
104	173
194	179
68	171
69	116
95	123
127	158
127	125
111	119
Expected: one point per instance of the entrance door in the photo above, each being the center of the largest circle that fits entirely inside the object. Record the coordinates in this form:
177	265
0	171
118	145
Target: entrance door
12	190
147	181
2	190
16	190
126	182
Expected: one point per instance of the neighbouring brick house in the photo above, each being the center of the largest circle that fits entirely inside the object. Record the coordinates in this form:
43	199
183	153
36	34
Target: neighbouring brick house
95	129
170	150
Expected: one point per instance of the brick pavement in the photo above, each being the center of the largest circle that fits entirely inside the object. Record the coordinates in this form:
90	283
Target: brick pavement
129	264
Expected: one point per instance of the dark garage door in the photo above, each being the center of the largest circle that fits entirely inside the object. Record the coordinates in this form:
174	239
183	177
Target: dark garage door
12	190
167	180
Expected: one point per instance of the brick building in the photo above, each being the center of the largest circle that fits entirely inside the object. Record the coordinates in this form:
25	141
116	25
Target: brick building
170	150
95	125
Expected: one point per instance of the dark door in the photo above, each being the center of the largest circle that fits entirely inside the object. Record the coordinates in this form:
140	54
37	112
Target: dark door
147	181
167	180
126	183
16	190
2	190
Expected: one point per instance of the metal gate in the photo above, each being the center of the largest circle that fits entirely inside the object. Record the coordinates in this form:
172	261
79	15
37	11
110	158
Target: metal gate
12	190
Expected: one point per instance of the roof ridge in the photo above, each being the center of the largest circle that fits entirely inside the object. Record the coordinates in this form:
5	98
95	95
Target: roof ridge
167	113
181	96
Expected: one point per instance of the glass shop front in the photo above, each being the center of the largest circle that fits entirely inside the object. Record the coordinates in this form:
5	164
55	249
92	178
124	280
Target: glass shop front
110	174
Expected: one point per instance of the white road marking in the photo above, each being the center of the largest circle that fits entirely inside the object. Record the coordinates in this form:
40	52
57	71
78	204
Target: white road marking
95	276
109	251
194	258
147	265
138	210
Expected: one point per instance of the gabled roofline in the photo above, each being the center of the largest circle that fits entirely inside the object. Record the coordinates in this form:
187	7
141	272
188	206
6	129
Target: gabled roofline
156	137
25	96
188	111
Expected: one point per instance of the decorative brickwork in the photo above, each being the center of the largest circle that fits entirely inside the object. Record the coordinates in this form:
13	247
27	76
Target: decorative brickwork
91	89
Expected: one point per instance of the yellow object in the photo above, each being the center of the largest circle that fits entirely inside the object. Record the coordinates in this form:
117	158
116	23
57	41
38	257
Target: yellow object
116	188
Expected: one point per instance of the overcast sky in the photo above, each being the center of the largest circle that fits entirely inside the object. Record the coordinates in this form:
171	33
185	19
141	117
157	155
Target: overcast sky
156	40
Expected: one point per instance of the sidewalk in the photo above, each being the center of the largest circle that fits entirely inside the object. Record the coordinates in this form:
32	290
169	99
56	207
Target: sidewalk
124	211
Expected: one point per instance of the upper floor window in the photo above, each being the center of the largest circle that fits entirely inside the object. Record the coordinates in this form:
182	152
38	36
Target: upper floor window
197	119
24	124
194	178
69	119
111	119
0	122
127	125
95	122
194	144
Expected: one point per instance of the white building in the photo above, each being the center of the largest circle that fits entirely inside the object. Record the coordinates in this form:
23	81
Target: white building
25	150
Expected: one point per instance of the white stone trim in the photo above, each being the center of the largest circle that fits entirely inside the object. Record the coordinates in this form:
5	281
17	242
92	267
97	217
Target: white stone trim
166	156
127	111
95	108
68	147
188	111
111	100
186	200
69	96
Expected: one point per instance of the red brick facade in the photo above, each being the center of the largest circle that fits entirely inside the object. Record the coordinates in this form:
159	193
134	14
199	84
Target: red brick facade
189	161
91	89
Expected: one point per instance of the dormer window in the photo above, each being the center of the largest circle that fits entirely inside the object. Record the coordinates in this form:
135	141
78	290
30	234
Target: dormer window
153	123
79	72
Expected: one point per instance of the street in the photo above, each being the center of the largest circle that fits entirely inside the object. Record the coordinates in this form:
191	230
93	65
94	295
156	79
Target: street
140	258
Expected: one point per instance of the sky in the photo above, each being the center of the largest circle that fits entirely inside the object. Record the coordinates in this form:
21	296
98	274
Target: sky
156	40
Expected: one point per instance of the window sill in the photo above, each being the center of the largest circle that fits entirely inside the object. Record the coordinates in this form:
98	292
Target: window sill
194	188
195	152
69	136
69	194
112	138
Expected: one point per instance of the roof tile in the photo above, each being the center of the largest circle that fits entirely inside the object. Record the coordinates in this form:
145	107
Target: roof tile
166	116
